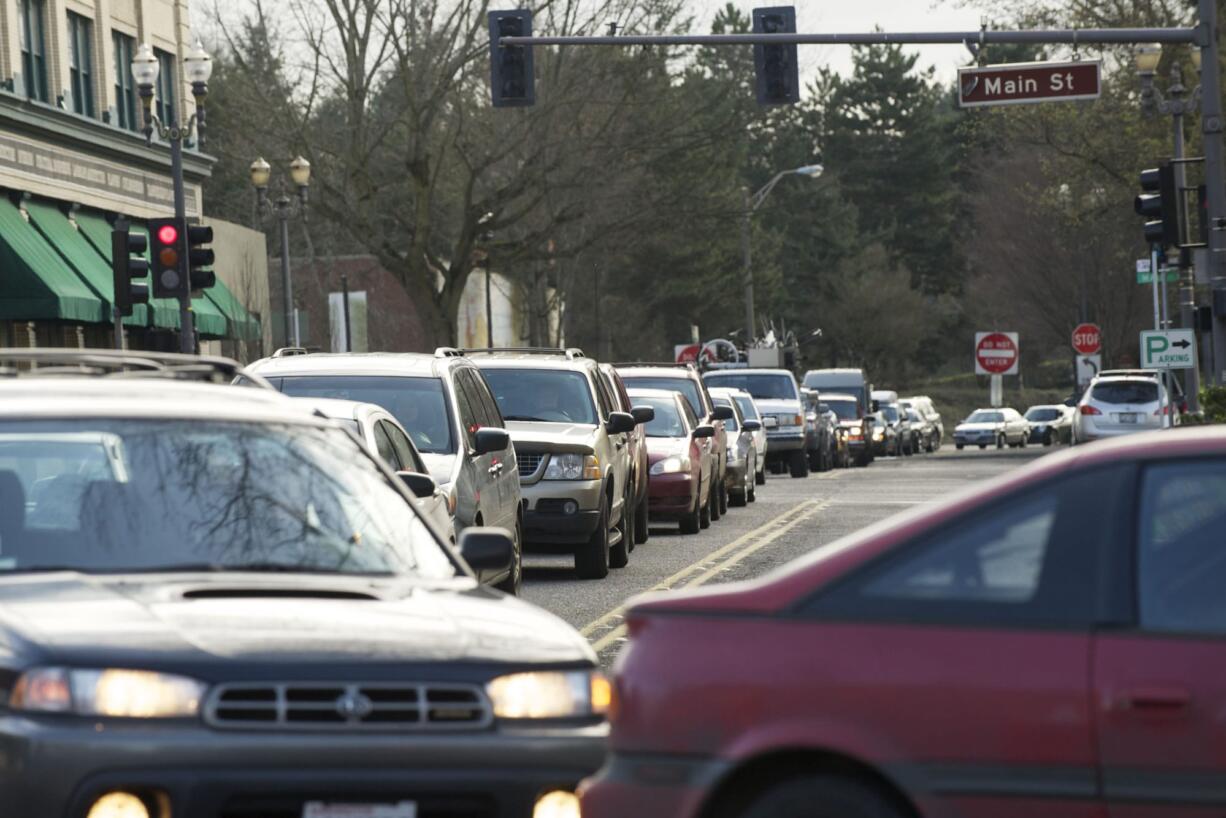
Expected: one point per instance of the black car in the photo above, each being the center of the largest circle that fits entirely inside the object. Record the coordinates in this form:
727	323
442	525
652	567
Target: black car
215	604
821	430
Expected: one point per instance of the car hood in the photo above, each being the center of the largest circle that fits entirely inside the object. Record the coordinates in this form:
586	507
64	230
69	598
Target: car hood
979	427
552	437
660	447
80	619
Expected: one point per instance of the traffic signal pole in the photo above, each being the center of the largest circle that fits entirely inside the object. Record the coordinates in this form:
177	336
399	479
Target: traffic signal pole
187	328
1215	174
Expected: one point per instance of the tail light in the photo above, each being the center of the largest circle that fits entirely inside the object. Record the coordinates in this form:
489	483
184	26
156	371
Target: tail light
1087	409
1162	410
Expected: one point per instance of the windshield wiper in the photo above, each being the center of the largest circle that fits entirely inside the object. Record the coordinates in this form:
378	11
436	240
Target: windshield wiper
527	418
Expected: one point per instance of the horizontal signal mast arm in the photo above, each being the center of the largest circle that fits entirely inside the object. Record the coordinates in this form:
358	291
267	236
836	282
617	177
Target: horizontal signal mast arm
1080	36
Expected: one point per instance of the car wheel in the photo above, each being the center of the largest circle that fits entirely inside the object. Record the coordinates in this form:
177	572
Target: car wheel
691	522
514	582
723	497
713	500
821	796
704	515
760	478
751	493
641	531
1000	441
619	554
592	558
1022	443
798	463
959	446
983	445
931	445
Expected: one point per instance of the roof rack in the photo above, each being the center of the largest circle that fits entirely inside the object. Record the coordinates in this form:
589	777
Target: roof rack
286	352
126	363
448	352
571	353
657	364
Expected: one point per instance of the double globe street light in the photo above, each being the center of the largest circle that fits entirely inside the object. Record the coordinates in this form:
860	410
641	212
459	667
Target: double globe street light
284	208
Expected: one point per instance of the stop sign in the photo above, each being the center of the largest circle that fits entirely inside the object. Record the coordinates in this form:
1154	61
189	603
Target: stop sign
1087	339
996	353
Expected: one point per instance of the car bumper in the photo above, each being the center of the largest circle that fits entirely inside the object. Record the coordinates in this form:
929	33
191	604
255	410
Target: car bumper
785	442
978	439
650	786
545	517
670	496
736	474
56	771
1087	432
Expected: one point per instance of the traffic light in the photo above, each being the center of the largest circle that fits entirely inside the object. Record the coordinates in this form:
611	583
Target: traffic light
1160	205
166	256
200	257
125	269
512	82
778	77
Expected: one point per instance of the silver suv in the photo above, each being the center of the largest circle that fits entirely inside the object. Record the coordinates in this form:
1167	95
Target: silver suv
444	404
574	448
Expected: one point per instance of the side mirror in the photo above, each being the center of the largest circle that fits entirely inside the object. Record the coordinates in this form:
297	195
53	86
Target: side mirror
620	422
487	550
752	425
876	406
422	485
491	440
705	430
643	414
722	413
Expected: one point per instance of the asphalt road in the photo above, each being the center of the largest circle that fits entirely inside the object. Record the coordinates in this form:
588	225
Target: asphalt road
789	519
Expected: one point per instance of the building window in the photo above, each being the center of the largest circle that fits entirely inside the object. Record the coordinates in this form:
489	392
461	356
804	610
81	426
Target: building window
125	90
81	63
166	87
33	47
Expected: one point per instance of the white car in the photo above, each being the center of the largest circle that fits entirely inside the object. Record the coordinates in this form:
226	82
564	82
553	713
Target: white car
750	411
384	436
1119	405
992	427
1050	424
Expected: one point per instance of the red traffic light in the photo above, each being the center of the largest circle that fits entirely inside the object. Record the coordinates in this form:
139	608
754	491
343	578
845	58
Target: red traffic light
168	234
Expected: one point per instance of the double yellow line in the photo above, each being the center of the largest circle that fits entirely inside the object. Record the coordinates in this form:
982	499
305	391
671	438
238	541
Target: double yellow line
608	629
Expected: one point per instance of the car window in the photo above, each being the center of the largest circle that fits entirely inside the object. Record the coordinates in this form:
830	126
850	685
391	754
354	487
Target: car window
1042	414
688	387
668	421
748	408
891	413
730	424
762	386
845	409
619	391
409	459
542	395
467	380
491	415
1181	562
986	417
383	444
1125	392
607	404
691	418
470	421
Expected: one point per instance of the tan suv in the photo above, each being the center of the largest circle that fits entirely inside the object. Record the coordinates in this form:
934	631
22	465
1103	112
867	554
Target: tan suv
574	452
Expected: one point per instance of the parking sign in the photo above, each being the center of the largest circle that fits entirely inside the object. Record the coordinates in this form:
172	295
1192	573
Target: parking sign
1168	349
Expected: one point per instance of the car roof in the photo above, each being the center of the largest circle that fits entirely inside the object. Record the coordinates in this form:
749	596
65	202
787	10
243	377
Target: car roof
835	396
680	371
1048	406
527	360
747	371
1125	379
409	364
730	391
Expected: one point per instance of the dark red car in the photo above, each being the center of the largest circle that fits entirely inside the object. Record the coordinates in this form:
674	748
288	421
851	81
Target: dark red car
1051	644
682	470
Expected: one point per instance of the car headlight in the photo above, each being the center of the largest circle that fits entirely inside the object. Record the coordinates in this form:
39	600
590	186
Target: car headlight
573	467
878	433
114	692
550	695
671	465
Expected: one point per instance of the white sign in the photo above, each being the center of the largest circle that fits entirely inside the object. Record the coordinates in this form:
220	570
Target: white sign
1088	367
1168	349
996	353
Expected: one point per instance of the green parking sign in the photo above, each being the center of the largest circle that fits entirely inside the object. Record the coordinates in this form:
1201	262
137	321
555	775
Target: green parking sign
1168	349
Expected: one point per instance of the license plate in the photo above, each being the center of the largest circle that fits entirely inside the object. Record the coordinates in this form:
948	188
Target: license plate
323	809
770	423
1128	417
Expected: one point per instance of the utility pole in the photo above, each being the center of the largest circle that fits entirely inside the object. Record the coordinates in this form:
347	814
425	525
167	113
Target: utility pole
345	307
1215	174
747	252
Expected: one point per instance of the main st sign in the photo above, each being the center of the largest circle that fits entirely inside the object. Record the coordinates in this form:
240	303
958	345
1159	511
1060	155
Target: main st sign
1018	83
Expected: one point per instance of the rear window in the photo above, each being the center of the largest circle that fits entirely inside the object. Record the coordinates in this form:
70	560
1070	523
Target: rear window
986	417
748	409
686	386
1125	392
1043	414
761	386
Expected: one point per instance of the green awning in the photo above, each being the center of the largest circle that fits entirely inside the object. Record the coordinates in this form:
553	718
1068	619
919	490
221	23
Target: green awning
242	324
35	282
79	254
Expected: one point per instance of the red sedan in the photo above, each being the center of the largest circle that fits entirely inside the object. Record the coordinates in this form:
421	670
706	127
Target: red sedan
681	471
1051	644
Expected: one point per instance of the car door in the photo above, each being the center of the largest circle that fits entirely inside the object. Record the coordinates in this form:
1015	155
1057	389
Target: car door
507	477
1160	673
964	655
409	459
478	489
620	441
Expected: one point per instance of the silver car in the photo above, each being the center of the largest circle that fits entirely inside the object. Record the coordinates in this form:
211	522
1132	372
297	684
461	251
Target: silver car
742	449
1115	406
749	408
992	427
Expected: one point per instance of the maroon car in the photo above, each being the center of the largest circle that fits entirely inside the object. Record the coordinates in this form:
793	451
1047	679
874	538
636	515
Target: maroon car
681	469
1050	644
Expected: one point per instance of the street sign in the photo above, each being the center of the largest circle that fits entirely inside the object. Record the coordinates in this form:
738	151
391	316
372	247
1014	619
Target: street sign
996	353
686	353
1169	274
1088	367
1018	83
1168	349
1087	339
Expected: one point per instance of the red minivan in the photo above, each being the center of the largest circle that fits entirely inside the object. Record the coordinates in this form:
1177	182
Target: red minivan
1050	644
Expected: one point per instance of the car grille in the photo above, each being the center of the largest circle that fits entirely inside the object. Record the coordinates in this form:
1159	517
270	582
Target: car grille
529	463
341	706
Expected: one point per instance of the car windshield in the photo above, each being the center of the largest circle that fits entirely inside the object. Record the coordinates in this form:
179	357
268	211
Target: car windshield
686	386
762	386
140	495
845	408
1125	392
913	415
1038	414
748	408
986	417
667	422
891	413
542	395
418	403
730	424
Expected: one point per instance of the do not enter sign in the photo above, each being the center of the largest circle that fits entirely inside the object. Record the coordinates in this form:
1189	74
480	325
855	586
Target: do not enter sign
1087	339
996	353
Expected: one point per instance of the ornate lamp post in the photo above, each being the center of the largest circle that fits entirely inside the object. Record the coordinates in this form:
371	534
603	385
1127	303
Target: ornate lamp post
284	208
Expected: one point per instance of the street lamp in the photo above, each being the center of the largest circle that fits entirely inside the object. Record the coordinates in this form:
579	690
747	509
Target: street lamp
487	236
284	208
198	67
752	203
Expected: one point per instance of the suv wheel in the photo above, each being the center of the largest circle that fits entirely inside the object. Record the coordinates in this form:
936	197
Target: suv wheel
619	554
704	514
713	504
691	522
821	796
592	558
799	464
641	532
514	582
1000	441
723	497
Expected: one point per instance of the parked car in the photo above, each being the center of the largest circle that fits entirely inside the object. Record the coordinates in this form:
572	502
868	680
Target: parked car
637	441
1050	643
992	427
682	470
914	428
444	404
684	378
883	435
245	614
742	452
778	399
384	436
923	404
842	450
1050	424
1120	405
819	432
857	428
845	382
573	443
749	409
1172	383
898	424
922	426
